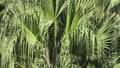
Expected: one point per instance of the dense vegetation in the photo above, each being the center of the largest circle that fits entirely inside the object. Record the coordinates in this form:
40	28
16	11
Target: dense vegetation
59	33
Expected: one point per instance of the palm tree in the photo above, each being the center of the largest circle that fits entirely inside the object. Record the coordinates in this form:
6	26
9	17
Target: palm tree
59	33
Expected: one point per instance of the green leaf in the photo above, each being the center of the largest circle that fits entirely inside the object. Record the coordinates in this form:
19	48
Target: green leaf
48	8
117	66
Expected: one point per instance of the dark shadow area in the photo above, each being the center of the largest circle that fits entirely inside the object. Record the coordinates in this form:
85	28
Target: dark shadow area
2	7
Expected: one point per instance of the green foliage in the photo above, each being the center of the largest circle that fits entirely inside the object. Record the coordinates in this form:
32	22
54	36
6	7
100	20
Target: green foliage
59	34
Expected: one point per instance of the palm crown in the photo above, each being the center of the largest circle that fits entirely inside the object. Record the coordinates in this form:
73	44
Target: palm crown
59	33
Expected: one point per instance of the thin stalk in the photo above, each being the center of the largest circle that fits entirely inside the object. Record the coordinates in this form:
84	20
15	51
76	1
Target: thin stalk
55	42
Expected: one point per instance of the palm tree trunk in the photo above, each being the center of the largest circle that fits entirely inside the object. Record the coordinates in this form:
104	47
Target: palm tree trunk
47	54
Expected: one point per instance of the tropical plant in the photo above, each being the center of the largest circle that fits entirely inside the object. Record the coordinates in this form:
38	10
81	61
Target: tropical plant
59	33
